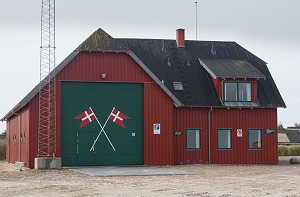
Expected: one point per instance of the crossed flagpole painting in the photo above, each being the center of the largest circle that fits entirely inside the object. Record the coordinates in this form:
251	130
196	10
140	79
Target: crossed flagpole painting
88	116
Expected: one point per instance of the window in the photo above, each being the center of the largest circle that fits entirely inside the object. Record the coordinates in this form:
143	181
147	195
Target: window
254	139
193	138
178	86
240	91
224	138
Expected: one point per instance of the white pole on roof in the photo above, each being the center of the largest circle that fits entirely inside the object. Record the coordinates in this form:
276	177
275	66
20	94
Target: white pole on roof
196	3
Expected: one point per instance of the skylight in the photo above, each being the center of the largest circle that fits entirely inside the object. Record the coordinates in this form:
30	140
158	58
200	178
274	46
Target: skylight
178	86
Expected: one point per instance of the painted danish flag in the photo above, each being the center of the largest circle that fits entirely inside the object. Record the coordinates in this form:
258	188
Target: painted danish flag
117	117
86	117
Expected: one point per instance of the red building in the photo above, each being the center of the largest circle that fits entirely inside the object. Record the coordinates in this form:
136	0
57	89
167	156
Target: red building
155	102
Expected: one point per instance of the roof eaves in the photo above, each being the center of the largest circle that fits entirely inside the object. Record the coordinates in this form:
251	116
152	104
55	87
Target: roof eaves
37	88
161	84
11	112
104	51
207	69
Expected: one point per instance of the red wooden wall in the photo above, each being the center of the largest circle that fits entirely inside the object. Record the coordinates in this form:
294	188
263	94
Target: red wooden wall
226	118
118	67
244	119
166	148
18	137
195	118
158	108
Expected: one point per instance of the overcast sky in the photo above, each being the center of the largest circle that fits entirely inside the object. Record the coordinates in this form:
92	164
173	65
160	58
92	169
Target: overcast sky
268	28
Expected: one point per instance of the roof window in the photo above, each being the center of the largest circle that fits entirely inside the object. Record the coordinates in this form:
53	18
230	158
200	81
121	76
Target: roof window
178	86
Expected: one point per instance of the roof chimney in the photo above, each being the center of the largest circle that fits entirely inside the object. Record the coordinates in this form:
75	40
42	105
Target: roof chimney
180	38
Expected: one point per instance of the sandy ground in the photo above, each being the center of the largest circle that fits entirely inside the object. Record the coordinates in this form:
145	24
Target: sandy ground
208	180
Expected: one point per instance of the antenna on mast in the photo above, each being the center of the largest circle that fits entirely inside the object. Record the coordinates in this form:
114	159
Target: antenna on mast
196	5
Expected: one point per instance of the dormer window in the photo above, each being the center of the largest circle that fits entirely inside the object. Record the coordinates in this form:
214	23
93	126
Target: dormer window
237	91
235	80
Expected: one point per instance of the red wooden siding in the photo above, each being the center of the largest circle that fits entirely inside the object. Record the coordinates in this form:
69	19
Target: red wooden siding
158	108
226	118
185	118
244	119
33	134
18	137
218	85
89	66
13	125
25	136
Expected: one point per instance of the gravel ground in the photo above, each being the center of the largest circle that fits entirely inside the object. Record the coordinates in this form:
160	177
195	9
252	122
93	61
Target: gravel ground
207	180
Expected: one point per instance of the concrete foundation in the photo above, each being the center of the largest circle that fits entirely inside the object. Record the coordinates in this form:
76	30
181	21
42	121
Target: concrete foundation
47	163
19	165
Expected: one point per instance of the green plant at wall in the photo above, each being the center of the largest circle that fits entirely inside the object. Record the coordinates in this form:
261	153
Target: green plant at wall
2	149
289	150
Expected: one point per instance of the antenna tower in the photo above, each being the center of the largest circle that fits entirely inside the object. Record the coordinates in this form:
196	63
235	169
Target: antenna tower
196	5
47	94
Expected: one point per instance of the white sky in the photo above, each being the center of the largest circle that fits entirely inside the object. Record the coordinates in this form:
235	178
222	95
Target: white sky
270	29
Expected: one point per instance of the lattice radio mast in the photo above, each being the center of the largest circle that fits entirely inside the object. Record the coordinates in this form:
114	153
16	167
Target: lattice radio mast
47	86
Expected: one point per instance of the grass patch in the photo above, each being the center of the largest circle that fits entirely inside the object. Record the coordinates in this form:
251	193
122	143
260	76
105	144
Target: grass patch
2	149
289	150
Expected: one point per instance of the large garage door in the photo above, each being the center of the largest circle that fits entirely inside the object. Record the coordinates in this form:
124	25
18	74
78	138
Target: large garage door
112	109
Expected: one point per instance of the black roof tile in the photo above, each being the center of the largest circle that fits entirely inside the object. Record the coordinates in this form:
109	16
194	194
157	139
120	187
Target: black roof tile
172	64
230	68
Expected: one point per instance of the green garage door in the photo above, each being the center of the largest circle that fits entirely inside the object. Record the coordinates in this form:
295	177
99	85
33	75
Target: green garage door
121	139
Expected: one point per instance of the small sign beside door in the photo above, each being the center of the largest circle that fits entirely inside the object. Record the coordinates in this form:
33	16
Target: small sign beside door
156	128
239	133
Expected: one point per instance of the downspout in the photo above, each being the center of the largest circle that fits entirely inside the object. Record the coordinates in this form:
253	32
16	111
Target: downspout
209	128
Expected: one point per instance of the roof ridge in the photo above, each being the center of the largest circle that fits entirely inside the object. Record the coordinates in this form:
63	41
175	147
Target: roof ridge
101	41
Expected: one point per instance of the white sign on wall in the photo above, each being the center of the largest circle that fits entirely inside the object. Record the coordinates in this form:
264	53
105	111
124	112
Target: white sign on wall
156	128
239	133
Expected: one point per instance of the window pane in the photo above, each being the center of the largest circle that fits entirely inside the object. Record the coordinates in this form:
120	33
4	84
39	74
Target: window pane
178	86
254	138
244	91
230	91
193	139
224	138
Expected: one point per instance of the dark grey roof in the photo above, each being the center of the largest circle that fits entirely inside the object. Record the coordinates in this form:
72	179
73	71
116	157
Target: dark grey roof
166	64
170	63
293	128
230	68
293	135
2	135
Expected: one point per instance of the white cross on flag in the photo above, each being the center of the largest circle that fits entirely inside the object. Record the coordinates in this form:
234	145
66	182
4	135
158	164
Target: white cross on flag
117	117
86	117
